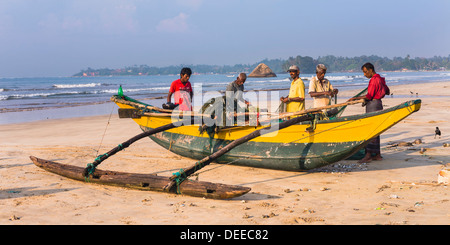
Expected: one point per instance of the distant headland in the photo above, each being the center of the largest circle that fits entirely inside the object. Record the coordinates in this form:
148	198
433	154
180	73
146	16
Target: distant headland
307	65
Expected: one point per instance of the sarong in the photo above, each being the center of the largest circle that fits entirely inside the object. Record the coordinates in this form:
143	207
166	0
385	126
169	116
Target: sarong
374	145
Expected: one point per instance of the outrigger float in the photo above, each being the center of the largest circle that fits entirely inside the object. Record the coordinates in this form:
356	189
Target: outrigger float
295	142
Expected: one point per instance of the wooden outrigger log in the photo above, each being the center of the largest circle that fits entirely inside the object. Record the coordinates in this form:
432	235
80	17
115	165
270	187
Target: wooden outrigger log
145	182
149	182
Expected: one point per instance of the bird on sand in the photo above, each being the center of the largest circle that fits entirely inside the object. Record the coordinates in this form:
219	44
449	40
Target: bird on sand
437	132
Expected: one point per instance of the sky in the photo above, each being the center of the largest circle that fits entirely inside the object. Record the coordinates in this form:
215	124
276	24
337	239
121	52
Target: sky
40	38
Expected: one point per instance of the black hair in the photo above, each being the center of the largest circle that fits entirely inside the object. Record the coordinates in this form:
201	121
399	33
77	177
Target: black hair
186	70
368	66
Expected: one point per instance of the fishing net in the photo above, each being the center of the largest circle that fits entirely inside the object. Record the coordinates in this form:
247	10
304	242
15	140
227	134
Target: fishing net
221	115
342	108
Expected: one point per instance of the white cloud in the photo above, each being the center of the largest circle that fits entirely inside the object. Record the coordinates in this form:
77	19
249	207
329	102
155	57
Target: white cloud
80	16
119	17
177	24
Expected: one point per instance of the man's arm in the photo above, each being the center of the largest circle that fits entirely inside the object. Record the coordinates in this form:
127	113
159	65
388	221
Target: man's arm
315	94
294	99
357	98
329	93
169	96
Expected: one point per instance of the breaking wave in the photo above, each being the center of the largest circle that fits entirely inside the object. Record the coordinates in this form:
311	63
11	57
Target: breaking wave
87	85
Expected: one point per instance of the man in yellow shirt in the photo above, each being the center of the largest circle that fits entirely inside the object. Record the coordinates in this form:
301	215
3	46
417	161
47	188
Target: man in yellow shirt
296	98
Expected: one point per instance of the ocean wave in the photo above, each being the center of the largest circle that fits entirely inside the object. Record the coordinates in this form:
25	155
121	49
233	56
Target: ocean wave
418	77
351	85
22	96
140	89
343	78
82	85
270	80
208	84
36	95
74	93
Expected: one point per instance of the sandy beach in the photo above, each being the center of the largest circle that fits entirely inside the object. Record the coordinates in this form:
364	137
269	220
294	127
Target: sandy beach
402	189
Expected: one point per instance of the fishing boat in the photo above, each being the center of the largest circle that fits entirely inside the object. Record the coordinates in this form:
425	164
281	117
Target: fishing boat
293	148
292	141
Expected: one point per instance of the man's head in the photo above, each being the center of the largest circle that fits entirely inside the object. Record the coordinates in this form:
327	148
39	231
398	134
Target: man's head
241	79
321	69
368	70
294	71
185	74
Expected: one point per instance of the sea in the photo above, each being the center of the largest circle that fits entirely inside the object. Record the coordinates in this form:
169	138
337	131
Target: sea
43	98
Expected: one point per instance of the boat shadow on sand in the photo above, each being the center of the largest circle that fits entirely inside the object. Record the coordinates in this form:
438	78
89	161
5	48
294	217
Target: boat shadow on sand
12	165
29	192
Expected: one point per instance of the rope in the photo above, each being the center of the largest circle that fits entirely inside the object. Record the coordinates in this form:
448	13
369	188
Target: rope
390	114
104	133
181	175
221	165
90	168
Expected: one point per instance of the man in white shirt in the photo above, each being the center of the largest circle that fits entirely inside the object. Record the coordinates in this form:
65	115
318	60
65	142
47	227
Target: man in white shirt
320	89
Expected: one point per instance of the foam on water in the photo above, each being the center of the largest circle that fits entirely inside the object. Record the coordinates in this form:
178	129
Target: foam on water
89	85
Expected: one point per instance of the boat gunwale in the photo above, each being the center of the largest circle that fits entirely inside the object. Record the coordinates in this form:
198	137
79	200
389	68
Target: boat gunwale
334	120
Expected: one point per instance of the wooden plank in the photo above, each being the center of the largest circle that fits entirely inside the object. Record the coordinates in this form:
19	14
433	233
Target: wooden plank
317	109
145	182
129	113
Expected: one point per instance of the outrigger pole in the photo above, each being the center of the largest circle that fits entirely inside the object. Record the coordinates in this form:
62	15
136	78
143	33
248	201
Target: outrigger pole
90	168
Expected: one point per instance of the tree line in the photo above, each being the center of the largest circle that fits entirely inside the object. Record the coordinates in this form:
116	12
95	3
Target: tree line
306	64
